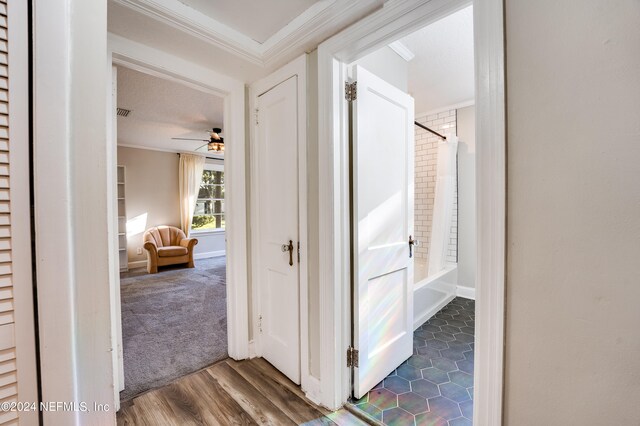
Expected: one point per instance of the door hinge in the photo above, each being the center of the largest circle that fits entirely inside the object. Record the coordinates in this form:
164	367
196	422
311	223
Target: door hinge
257	112
351	91
353	356
298	251
260	323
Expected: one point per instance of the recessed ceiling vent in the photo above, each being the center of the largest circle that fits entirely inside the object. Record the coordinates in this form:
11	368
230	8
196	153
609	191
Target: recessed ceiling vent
123	112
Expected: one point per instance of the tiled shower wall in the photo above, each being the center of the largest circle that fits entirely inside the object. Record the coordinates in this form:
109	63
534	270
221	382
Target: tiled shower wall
426	155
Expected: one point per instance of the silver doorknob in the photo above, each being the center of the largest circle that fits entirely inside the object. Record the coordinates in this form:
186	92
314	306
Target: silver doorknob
289	248
412	243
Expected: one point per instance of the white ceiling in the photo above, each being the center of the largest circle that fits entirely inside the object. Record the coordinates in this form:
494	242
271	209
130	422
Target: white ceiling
245	39
442	72
162	109
257	19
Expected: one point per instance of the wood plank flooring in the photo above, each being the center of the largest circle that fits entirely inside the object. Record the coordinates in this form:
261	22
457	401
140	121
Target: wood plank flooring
250	392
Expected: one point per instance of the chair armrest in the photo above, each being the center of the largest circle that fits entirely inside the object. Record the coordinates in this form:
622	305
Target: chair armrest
151	248
188	242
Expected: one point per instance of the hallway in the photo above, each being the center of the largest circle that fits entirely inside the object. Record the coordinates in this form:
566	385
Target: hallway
248	392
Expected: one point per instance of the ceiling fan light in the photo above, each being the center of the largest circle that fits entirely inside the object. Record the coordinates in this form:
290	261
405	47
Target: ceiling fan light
216	146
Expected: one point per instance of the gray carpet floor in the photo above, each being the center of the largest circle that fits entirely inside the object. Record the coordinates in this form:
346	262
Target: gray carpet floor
173	323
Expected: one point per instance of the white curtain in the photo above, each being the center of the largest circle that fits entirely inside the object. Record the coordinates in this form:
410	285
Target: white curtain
190	178
443	204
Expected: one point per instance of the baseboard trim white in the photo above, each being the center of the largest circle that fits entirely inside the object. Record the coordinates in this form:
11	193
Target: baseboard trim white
466	292
312	390
137	264
424	316
209	254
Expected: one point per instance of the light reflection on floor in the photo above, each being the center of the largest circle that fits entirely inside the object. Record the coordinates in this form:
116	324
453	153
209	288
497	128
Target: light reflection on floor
435	385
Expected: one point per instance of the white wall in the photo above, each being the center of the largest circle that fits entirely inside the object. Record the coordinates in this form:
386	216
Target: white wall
388	65
151	189
466	197
70	188
313	207
573	213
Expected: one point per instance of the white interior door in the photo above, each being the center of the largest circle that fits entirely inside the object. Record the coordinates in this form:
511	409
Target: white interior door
277	186
383	185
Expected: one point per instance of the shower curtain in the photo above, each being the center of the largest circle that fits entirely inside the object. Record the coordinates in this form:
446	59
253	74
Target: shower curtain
446	178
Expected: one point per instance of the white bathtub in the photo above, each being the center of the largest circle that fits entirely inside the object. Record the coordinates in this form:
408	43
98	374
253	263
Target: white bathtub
433	293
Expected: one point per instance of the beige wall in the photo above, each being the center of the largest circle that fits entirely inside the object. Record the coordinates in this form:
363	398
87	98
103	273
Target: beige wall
151	188
573	212
466	126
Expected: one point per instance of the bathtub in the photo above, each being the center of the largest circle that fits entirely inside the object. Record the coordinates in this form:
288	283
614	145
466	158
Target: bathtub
432	293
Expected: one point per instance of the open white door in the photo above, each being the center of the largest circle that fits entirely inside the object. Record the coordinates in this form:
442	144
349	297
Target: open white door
383	186
277	186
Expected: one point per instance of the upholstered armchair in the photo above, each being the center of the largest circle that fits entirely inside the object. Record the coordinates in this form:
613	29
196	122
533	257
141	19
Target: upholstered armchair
167	245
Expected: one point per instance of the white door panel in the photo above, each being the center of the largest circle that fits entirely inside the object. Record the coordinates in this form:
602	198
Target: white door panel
277	139
383	190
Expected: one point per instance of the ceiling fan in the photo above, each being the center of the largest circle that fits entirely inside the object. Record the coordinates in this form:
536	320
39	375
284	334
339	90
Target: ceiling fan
214	143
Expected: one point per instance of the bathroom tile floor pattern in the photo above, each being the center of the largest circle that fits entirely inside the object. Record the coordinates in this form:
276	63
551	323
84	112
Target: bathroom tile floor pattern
435	385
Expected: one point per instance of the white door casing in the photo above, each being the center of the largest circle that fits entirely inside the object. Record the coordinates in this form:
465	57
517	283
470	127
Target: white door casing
383	192
279	275
114	279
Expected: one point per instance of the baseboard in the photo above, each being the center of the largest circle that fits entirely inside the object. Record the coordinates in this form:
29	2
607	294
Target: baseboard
208	254
466	292
137	264
312	390
252	349
424	316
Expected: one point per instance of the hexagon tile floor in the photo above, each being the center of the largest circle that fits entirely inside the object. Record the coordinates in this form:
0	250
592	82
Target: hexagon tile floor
435	385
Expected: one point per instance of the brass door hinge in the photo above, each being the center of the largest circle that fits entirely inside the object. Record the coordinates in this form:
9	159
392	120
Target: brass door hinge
351	91
353	356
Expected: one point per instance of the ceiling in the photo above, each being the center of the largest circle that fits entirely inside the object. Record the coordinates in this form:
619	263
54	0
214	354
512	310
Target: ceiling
162	109
257	19
442	72
246	39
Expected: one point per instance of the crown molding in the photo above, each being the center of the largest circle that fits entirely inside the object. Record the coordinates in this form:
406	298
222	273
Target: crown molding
314	25
190	21
302	33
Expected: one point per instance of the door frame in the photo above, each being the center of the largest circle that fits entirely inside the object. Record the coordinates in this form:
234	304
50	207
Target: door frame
150	61
73	150
393	21
297	67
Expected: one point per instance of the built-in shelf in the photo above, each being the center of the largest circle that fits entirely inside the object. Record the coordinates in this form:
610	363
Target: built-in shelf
122	221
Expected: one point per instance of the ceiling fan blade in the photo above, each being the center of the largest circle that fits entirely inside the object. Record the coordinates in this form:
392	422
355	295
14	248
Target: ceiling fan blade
202	146
190	139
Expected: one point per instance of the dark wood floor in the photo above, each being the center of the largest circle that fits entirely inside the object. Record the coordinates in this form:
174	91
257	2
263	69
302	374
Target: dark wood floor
249	392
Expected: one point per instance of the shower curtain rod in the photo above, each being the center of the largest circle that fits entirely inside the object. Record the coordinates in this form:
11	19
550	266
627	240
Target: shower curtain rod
429	130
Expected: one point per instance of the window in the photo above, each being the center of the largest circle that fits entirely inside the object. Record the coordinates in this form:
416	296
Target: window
209	212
